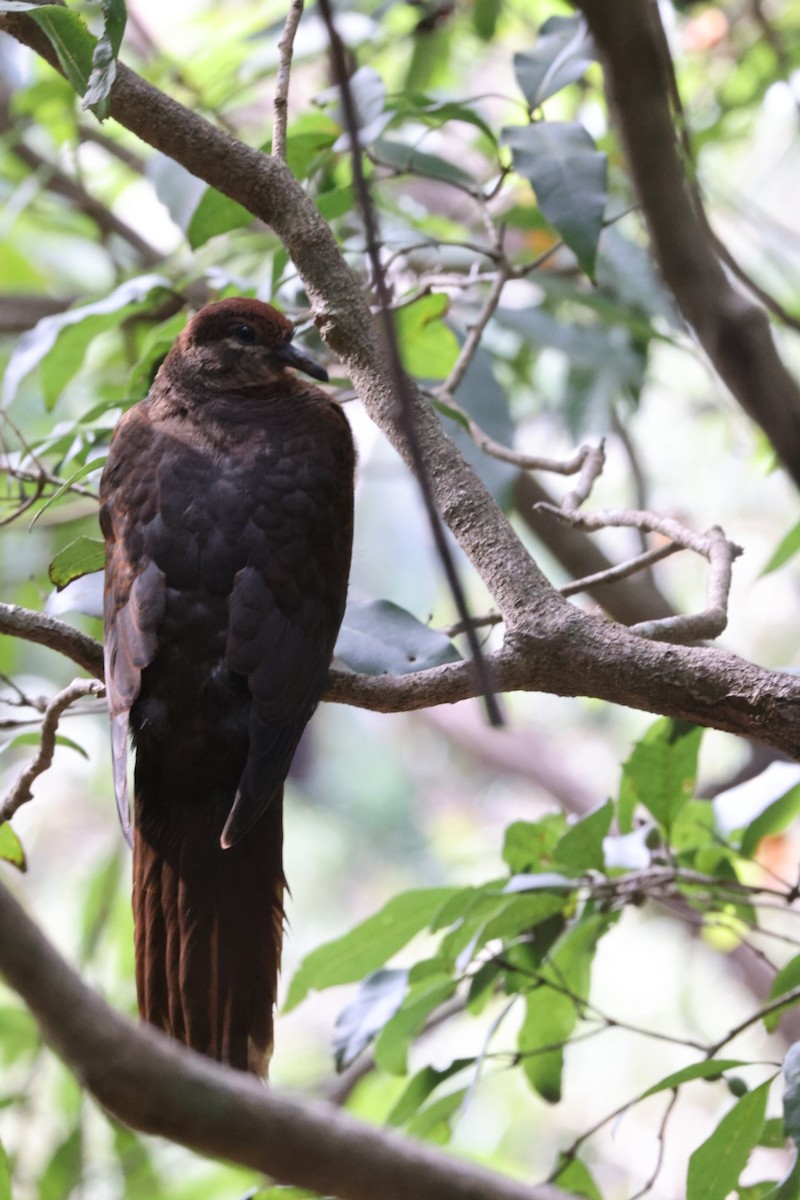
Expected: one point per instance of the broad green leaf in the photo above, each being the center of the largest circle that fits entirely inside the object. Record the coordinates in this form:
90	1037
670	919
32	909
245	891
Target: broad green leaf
5	1175
67	34
581	847
420	1086
568	174
715	1166
379	638
136	1164
33	739
104	58
428	348
215	213
561	55
369	946
786	980
791	1093
391	1048
378	998
438	112
529	845
11	848
19	1034
58	344
661	772
336	202
157	345
773	820
707	1069
81	557
575	1177
787	548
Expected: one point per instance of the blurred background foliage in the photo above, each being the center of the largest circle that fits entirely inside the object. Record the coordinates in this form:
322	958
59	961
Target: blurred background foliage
104	246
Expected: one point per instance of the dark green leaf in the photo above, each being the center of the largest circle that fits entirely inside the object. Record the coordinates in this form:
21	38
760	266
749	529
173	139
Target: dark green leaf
67	34
379	638
581	847
378	998
716	1165
787	548
420	1086
104	58
561	55
568	174
402	157
80	557
11	848
427	346
369	946
707	1069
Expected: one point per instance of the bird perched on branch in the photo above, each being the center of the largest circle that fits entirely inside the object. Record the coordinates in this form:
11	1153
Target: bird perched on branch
227	510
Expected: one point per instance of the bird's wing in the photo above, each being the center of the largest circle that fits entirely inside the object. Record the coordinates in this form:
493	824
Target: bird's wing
134	589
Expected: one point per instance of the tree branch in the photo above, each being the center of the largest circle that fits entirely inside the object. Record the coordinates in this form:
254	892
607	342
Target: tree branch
152	1084
731	328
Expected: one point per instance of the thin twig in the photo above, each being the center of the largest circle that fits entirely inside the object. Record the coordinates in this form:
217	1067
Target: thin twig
21	792
621	571
403	397
475	333
281	101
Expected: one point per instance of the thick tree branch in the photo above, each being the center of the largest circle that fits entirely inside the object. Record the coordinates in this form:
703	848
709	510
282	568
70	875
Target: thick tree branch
731	328
154	1085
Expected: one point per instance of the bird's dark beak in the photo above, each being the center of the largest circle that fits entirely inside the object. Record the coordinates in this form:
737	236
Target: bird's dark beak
293	356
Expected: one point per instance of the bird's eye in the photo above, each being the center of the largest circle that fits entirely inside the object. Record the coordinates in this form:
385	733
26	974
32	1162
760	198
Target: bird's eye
244	333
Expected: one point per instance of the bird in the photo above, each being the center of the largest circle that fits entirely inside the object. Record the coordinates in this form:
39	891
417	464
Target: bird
226	505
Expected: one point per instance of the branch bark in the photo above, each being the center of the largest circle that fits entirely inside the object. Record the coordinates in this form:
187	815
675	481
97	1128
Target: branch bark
154	1085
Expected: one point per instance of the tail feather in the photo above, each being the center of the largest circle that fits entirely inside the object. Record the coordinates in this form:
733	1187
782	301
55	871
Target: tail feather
209	929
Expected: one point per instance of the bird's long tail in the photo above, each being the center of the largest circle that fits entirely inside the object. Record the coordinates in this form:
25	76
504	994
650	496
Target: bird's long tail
209	928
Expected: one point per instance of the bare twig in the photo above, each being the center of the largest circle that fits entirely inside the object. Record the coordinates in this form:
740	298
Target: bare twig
404	398
621	571
281	101
21	792
56	635
474	335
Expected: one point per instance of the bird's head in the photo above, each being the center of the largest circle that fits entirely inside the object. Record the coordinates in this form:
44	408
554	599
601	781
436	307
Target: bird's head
242	343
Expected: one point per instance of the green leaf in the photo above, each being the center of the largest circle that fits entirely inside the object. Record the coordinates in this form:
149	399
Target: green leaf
561	55
771	821
391	1048
215	213
434	1122
19	1034
661	772
437	112
68	35
64	1169
707	1069
11	848
369	946
552	1012
581	847
335	203
529	846
368	93
104	58
402	157
568	174
379	638
33	739
786	980
378	998
420	1086
80	557
428	348
87	469
99	901
787	548
58	344
575	1177
715	1166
